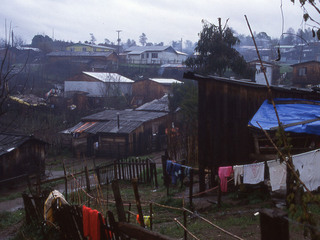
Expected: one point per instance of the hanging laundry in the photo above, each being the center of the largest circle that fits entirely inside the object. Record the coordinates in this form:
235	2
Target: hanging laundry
91	223
308	165
224	172
176	169
237	173
253	173
187	171
278	174
146	220
169	166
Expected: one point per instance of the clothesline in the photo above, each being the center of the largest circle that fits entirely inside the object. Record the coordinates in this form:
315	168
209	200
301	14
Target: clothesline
308	165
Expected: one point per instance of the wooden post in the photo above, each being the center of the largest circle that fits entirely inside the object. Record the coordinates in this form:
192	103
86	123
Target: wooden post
219	193
129	213
274	225
65	181
155	175
98	175
137	197
148	169
113	225
87	178
151	213
119	203
191	188
115	169
185	224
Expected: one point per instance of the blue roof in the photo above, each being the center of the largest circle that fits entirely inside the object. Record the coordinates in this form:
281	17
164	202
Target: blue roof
296	115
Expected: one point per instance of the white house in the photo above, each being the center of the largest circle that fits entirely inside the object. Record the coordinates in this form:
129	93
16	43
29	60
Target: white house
154	55
98	84
272	72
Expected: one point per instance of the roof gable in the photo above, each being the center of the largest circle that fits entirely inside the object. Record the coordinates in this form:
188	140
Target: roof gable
108	77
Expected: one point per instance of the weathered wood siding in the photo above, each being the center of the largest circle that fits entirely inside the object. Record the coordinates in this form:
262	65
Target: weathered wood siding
28	159
312	74
225	107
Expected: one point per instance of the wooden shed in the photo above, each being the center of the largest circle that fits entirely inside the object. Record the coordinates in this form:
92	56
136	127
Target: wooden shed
225	108
118	133
306	74
20	155
153	88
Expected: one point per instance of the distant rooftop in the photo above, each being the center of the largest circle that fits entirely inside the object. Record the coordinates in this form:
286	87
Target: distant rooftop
79	54
108	77
157	105
165	81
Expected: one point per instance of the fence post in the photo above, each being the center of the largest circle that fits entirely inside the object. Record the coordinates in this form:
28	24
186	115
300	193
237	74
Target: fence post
65	181
191	188
155	175
87	178
151	213
98	175
185	224
273	224
137	197
119	203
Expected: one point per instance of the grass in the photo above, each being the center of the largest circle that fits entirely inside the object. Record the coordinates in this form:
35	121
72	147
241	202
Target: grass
11	196
228	216
8	219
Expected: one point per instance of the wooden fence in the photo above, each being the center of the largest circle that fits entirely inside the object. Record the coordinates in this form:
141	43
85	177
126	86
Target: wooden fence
125	169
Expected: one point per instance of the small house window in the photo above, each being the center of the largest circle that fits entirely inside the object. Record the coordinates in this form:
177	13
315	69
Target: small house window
142	55
302	71
154	55
147	55
84	49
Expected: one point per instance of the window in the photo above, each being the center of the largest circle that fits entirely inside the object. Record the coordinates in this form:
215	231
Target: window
154	55
84	49
302	71
147	55
142	56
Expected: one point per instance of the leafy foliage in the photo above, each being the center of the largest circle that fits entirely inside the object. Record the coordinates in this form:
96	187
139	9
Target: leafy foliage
216	53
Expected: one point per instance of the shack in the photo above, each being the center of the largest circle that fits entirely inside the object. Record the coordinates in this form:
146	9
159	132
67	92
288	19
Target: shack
225	108
119	133
20	155
153	88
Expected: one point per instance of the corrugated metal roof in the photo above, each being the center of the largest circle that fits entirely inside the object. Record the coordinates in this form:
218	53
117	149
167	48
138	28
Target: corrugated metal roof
159	105
124	115
109	77
112	127
9	142
148	48
79	54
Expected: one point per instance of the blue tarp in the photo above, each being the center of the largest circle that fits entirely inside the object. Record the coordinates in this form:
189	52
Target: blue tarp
296	115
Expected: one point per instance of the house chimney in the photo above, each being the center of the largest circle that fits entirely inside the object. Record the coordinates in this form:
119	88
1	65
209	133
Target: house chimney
118	118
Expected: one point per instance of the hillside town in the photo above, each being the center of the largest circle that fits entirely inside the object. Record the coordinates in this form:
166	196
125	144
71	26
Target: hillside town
213	139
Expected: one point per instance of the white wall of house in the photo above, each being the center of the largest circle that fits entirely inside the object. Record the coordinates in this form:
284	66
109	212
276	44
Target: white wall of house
162	58
260	76
97	89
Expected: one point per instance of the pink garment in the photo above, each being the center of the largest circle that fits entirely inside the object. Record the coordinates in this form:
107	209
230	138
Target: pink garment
224	172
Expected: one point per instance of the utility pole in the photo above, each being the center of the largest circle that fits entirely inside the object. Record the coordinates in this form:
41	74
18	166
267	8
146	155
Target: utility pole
118	40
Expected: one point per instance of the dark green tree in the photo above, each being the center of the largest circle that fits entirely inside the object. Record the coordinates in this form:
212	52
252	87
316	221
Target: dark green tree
185	97
143	39
44	43
216	53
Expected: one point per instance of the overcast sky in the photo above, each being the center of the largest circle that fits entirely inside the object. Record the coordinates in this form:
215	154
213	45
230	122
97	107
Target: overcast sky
160	20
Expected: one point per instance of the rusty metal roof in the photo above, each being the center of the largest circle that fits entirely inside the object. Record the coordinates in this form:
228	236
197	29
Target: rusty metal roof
107	121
